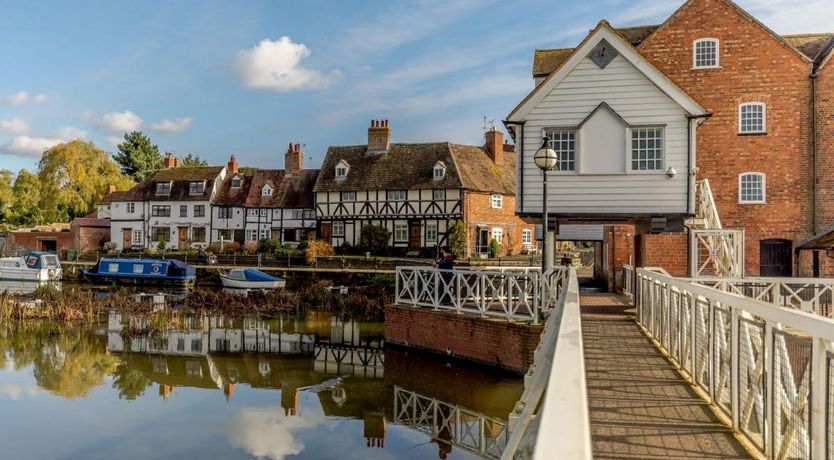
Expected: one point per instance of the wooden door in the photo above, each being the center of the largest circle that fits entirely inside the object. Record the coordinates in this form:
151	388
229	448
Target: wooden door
775	258
414	241
182	237
127	242
324	232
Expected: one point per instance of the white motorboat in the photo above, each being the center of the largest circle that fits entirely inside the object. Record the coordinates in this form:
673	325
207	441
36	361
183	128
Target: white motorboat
34	266
249	278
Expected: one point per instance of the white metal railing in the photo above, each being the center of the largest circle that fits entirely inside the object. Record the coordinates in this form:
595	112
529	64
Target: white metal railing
714	250
706	209
807	294
767	369
510	293
628	280
551	419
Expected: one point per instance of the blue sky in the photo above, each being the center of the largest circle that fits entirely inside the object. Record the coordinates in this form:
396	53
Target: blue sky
216	78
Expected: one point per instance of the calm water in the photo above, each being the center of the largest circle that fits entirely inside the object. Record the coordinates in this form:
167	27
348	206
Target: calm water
316	387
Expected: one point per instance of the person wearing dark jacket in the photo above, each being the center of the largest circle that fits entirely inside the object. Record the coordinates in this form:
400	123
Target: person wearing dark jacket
446	260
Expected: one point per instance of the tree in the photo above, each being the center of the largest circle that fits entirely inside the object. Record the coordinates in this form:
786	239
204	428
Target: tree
192	161
374	238
457	239
27	196
6	194
138	156
73	178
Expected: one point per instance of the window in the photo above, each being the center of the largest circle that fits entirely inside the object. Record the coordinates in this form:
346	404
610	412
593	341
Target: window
705	53
264	234
647	149
264	212
253	213
297	214
236	182
526	236
113	268
138	269
396	195
309	214
224	213
348	196
137	237
751	188
342	170
266	191
751	118
252	234
183	210
161	211
196	188
439	171
161	233
290	235
163	188
199	210
338	228
497	201
197	345
225	235
438	194
131	208
431	232
198	234
497	234
563	142
400	231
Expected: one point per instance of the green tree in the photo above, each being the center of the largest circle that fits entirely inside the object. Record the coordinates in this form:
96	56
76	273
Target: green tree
6	194
192	161
74	176
138	156
374	238
27	196
457	239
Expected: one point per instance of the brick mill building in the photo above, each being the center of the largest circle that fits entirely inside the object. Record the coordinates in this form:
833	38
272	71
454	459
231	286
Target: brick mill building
764	140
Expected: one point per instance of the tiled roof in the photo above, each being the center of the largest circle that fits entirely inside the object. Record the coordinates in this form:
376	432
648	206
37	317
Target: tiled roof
289	191
180	178
114	196
809	44
410	166
91	222
635	35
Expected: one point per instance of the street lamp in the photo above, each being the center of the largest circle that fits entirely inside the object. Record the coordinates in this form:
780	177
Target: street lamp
546	159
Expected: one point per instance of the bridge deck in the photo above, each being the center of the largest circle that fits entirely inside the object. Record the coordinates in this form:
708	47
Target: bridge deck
640	407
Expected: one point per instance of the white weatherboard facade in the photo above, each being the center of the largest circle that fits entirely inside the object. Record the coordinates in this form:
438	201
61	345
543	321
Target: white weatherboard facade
602	105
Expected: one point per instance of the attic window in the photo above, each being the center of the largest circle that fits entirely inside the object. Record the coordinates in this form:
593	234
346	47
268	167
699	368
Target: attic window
705	53
439	171
196	188
342	170
163	188
236	182
266	191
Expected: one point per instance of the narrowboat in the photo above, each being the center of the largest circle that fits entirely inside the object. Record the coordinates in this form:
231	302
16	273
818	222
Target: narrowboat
141	271
249	278
34	266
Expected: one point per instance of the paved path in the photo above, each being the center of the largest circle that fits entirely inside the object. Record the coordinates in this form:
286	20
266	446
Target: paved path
640	407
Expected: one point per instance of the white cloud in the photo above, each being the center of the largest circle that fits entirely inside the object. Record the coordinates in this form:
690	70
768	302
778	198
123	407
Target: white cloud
276	65
70	133
268	432
120	122
40	99
793	16
172	126
28	146
18	98
14	126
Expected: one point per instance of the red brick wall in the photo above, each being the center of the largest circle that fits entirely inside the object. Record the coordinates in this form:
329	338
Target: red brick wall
29	240
805	264
755	66
617	249
478	210
667	250
506	345
825	147
89	238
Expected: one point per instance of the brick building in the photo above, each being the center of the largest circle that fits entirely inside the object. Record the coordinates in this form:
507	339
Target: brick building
765	141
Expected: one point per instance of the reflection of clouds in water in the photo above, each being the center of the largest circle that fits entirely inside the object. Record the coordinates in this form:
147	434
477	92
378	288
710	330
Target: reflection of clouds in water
268	432
14	391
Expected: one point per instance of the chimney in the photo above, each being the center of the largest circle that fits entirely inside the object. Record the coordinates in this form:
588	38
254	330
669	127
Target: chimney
494	144
111	188
379	136
170	161
293	159
232	167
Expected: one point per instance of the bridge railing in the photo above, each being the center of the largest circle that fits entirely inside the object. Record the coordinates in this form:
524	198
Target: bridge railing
805	294
767	369
551	419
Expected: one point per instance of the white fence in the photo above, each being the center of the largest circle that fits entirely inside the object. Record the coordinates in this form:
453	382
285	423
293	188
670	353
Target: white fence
767	369
806	294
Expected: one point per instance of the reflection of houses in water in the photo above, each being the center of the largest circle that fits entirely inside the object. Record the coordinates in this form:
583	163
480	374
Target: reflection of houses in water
348	352
450	425
375	430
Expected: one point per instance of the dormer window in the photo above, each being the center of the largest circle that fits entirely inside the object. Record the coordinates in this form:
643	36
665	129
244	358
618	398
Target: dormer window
163	188
439	171
267	190
196	188
705	53
342	170
752	118
236	182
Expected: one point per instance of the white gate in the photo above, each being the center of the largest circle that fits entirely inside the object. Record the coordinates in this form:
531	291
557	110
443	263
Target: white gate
716	252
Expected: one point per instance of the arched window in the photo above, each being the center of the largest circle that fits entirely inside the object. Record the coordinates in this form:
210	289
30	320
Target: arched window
752	118
751	188
705	53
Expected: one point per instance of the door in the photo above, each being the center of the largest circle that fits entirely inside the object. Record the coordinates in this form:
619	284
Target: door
482	244
182	237
414	241
775	258
325	232
126	238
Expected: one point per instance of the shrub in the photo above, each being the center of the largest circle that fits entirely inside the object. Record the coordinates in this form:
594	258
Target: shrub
374	238
285	250
457	239
150	251
494	248
250	247
316	249
268	245
229	247
162	245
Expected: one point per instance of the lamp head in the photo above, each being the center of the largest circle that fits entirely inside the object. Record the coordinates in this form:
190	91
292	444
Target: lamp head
545	157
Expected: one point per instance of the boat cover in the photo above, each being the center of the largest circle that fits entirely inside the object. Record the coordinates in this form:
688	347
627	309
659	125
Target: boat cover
250	274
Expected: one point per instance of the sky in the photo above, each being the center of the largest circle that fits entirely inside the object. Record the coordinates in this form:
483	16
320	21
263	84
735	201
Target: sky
217	78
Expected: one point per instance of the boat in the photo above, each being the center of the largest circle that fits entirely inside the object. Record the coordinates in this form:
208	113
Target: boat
34	266
250	278
142	271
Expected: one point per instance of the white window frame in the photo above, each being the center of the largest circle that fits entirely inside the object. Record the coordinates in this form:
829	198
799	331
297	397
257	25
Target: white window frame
439	172
337	229
251	234
431	232
397	195
131	208
497	234
197	187
253	212
717	44
342	170
631	152
267	190
237	182
497	201
763	177
164	188
438	194
526	236
566	136
348	196
137	237
264	234
400	232
764	117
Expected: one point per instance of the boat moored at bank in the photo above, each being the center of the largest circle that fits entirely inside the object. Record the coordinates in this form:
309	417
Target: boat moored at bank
34	266
250	278
142	271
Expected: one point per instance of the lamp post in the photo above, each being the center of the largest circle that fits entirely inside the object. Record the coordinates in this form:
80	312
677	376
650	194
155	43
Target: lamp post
546	159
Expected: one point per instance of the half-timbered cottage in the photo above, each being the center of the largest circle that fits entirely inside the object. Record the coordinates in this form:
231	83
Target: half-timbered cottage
418	191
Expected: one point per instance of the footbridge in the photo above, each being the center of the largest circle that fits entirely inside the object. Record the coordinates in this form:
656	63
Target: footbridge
671	368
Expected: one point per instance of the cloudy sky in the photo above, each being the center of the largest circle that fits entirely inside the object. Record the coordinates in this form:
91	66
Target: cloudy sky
215	78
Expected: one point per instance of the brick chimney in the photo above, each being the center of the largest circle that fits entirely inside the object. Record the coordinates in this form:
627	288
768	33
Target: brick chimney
293	159
111	188
170	161
494	145
232	167
379	136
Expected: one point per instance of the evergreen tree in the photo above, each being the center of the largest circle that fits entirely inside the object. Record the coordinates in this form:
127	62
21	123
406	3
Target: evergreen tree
138	156
193	161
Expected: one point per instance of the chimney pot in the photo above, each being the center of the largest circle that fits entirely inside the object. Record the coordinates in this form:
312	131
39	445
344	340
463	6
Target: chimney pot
293	159
379	136
111	188
494	145
170	161
233	166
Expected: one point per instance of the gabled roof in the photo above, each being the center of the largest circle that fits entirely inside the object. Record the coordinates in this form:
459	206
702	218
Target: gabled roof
410	166
114	196
289	191
813	46
604	31
179	178
602	106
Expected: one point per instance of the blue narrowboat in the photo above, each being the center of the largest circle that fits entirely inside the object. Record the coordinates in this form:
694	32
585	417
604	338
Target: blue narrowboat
141	271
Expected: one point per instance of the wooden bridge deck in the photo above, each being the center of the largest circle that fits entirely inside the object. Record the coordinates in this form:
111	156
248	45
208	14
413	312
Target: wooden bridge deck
640	407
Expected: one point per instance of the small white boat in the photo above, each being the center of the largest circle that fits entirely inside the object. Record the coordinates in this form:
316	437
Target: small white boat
249	278
35	266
